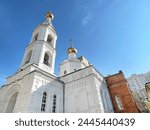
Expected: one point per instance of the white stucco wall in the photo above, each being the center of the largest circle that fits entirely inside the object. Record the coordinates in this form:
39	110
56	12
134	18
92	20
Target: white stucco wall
30	87
70	66
23	87
82	91
52	87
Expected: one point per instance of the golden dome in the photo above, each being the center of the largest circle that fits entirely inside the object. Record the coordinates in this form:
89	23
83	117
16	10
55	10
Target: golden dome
49	15
71	50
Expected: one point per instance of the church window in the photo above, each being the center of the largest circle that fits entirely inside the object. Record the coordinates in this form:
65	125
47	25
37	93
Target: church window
65	72
43	101
28	57
54	104
35	37
49	39
46	59
119	103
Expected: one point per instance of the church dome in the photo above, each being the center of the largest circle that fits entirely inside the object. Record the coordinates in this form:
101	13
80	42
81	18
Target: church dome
71	50
48	19
49	15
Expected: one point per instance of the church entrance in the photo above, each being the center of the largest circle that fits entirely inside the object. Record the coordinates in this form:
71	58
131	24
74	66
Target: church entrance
11	103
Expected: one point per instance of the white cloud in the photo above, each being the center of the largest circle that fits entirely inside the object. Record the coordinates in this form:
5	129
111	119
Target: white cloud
86	10
86	18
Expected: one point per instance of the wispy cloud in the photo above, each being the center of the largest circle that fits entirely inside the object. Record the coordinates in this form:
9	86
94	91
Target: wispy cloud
86	18
86	10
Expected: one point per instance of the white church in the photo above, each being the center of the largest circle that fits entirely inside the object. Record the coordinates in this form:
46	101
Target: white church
34	88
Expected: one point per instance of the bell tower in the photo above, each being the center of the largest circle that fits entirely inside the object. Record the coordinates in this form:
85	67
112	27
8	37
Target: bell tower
41	49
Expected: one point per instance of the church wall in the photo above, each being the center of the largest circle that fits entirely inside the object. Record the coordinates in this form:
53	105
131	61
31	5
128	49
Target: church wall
81	92
2	103
76	65
103	93
80	96
37	52
31	88
24	95
19	75
23	87
29	48
63	67
71	66
51	86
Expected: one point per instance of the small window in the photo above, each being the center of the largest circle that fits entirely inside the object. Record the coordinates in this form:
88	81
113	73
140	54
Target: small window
54	104
35	37
74	69
49	39
46	59
119	103
43	101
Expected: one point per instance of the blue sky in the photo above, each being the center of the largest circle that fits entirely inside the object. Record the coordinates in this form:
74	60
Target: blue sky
112	34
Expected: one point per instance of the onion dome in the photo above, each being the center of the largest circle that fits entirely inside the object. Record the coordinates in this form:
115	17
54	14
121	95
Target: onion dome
49	15
71	49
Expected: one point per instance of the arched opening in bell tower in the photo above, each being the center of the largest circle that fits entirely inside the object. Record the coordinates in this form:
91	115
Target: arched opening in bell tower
49	39
28	57
47	59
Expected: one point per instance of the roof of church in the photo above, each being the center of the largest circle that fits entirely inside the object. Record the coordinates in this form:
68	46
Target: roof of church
84	60
83	69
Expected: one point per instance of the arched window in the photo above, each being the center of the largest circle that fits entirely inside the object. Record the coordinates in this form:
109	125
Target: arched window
46	59
49	39
28	57
54	104
43	101
119	103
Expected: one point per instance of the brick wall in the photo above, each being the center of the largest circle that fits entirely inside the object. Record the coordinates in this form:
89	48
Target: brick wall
122	99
